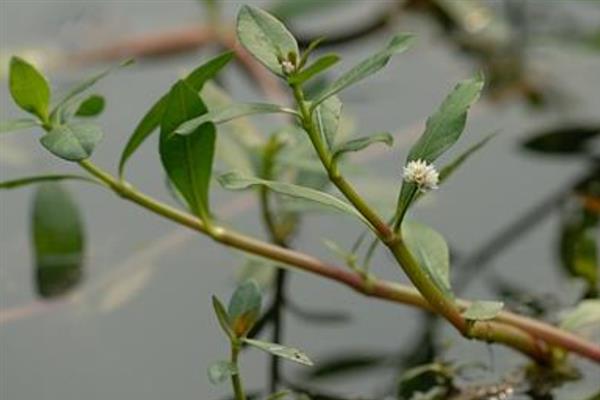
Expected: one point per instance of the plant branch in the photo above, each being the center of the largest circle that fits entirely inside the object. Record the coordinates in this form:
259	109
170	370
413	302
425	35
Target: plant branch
390	291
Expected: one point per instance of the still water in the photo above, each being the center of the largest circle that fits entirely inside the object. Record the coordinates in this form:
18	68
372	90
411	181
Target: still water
141	324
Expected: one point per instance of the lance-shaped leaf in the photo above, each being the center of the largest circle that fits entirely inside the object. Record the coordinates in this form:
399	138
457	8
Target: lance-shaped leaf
235	181
188	159
230	112
91	106
431	251
362	143
220	371
16	183
72	142
151	120
444	127
244	307
58	240
265	37
327	118
222	317
70	100
29	88
321	64
289	353
442	130
483	310
368	67
17	124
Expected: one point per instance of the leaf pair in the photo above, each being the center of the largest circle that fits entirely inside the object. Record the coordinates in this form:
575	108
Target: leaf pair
188	159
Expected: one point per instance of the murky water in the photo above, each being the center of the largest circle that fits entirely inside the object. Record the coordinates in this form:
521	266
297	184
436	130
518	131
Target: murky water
141	326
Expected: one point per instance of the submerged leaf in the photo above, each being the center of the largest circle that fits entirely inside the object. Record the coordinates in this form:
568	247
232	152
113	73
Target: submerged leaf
58	241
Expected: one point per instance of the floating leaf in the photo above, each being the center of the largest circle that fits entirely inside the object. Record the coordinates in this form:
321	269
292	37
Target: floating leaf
320	65
220	371
371	65
235	181
483	310
17	124
188	159
229	113
151	120
222	316
58	240
16	183
91	107
327	119
431	251
444	127
29	88
72	142
362	143
244	307
289	353
265	37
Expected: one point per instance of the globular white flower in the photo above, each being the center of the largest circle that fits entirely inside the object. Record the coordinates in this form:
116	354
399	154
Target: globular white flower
422	174
287	67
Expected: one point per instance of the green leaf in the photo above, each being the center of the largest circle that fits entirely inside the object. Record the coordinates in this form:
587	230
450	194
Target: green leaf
29	88
449	169
151	120
16	183
320	65
222	317
244	307
70	99
362	143
265	37
584	316
431	251
282	394
285	9
444	127
229	113
58	240
72	142
91	107
188	160
371	65
235	181
17	124
220	371
327	118
289	353
483	310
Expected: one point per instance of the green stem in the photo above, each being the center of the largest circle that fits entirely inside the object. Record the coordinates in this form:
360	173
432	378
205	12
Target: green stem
236	379
440	302
391	291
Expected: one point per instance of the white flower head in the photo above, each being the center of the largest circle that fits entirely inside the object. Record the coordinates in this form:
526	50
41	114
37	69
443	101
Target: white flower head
422	174
287	67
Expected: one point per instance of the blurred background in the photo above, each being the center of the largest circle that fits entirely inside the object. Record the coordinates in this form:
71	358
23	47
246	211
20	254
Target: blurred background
133	320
